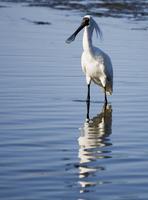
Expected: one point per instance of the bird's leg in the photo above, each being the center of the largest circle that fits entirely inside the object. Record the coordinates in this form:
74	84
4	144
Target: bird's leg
88	108
88	93
105	97
88	101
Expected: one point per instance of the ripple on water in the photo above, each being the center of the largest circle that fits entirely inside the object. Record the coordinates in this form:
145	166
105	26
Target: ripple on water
47	148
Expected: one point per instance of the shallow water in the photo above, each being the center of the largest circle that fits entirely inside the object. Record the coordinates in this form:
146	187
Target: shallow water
47	149
135	9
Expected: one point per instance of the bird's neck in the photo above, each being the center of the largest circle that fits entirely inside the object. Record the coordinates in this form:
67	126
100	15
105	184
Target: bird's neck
87	39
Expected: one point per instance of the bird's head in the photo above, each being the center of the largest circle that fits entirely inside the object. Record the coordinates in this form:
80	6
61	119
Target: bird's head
89	22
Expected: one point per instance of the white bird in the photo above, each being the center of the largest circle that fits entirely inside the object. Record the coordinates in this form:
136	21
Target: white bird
96	64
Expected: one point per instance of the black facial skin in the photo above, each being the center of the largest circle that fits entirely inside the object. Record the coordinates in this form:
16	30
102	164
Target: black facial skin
85	22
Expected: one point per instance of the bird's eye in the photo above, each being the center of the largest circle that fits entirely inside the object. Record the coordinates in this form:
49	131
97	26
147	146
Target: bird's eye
86	20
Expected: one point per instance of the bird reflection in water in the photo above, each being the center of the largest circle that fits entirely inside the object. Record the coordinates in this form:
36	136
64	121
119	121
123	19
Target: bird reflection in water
93	146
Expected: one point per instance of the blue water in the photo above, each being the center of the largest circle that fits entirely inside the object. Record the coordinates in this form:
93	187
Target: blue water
47	149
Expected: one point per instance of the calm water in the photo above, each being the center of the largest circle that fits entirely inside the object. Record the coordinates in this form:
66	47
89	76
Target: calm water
47	150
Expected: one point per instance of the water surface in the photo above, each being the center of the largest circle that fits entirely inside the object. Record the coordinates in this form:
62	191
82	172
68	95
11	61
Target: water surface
47	149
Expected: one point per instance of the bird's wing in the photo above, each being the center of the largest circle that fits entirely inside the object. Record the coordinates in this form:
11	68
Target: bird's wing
105	60
106	67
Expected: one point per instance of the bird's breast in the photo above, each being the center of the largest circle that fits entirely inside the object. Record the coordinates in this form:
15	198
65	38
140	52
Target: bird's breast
91	66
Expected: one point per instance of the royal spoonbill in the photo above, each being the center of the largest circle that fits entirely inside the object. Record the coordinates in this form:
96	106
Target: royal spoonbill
96	64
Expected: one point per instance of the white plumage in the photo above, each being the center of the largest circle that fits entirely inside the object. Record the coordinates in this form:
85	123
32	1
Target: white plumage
95	63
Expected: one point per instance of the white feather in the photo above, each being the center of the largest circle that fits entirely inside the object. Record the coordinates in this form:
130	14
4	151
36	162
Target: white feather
95	63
